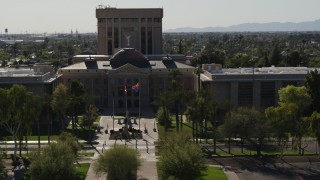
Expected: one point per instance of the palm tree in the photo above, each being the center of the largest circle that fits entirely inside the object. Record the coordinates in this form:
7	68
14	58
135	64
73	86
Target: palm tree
210	111
193	114
175	87
77	103
46	99
198	72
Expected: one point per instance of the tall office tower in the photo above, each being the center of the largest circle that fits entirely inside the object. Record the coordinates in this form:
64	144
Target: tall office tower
129	28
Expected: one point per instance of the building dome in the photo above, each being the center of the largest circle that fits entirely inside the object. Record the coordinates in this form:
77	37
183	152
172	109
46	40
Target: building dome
129	55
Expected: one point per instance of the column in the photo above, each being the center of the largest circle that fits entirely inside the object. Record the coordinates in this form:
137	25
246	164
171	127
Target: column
234	93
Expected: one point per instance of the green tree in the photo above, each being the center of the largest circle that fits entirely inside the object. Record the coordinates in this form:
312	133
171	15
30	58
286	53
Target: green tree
32	112
275	57
280	118
89	118
163	101
248	124
200	111
193	115
298	99
60	103
294	59
54	163
77	95
3	173
19	108
312	83
162	116
314	121
175	93
119	162
70	140
180	158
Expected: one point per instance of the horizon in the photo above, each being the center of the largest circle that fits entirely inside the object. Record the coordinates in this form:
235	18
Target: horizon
62	17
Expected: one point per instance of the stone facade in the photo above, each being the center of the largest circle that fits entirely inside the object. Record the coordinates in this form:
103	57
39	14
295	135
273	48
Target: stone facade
129	28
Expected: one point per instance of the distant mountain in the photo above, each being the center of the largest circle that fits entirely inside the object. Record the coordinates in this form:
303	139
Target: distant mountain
256	27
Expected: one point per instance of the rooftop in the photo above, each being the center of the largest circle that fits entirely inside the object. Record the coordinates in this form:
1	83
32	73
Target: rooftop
263	73
262	70
24	75
154	64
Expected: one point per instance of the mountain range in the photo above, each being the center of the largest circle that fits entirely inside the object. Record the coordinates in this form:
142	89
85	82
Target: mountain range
256	27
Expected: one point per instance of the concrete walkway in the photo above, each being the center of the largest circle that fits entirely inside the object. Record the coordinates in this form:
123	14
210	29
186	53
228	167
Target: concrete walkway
145	146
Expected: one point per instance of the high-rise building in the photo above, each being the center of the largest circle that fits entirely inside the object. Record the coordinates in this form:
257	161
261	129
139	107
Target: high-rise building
140	29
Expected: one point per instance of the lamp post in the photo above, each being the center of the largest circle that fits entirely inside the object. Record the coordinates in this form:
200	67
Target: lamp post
252	61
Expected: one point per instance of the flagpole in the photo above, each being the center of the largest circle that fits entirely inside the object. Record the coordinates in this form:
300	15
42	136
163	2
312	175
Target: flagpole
126	113
139	102
112	110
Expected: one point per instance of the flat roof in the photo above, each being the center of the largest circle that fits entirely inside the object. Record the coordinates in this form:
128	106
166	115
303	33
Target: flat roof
262	70
261	74
155	64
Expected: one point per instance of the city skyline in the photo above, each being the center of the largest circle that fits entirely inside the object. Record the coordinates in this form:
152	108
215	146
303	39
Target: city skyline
36	16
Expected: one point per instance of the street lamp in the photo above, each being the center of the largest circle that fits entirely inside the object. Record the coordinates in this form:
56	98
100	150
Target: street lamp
252	61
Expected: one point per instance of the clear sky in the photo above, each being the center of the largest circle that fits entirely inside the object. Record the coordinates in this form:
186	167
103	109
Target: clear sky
38	16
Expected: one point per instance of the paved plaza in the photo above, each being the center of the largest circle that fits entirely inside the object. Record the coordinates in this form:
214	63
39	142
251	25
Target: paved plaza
145	145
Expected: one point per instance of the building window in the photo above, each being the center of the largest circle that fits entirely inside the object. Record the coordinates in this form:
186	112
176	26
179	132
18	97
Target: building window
120	103
149	19
116	20
128	81
156	19
129	104
129	90
109	32
136	93
136	103
149	40
287	83
109	20
120	91
143	40
267	94
143	19
116	37
121	81
109	47
129	20
101	20
245	95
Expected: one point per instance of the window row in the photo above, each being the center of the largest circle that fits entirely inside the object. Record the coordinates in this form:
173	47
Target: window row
130	103
126	20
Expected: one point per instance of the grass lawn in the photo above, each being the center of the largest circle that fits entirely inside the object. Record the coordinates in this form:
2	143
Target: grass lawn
33	138
81	171
214	173
186	127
